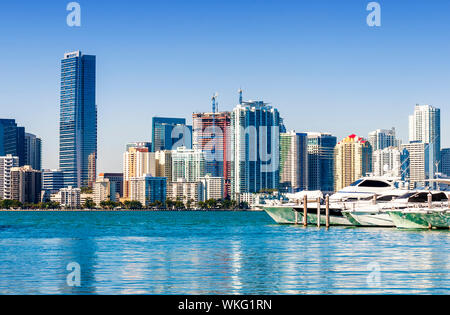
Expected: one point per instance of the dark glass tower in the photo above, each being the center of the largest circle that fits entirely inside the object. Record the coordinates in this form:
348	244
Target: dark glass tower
12	140
78	117
170	133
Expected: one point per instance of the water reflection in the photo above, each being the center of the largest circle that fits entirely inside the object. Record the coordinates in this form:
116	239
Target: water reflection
213	253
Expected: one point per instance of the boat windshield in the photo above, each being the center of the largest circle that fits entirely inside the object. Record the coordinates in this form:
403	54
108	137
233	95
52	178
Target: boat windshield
407	195
357	182
374	183
420	197
387	198
440	197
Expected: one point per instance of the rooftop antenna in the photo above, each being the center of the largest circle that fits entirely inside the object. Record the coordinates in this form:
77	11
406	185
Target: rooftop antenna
215	108
215	104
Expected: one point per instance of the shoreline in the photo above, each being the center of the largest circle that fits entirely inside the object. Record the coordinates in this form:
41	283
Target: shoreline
122	210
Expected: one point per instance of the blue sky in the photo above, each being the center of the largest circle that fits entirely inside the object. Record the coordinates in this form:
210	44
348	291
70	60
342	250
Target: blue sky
317	61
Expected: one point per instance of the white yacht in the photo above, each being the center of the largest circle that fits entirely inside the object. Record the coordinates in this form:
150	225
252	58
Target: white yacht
367	187
377	211
364	188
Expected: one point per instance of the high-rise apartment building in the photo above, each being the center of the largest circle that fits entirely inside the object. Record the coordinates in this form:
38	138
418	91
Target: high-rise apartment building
26	184
52	180
211	188
188	164
382	138
33	151
78	117
211	134
6	164
293	162
321	161
164	164
12	140
445	161
182	190
425	127
137	162
140	145
255	139
421	165
68	197
116	180
104	190
353	160
170	133
388	161
148	189
92	169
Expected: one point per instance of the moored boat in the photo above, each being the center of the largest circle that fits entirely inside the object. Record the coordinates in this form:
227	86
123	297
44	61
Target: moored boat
421	218
282	214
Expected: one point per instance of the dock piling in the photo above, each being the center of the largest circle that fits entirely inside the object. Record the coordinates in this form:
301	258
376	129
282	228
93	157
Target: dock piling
327	210
305	210
318	212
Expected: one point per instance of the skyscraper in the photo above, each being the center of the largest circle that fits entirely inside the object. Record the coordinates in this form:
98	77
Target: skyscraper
188	164
26	184
321	161
353	160
6	164
52	181
116	179
137	162
148	189
293	162
211	134
445	161
12	140
78	117
255	132
421	164
425	127
170	133
33	151
382	138
387	161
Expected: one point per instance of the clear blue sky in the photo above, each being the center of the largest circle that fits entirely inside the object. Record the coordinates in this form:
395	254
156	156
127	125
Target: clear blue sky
317	61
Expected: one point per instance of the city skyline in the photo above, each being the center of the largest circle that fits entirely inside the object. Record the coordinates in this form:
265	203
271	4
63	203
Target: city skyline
371	73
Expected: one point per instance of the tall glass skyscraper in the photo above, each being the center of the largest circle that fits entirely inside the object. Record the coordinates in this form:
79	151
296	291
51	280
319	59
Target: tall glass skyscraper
211	134
425	127
255	143
33	150
78	117
381	139
170	134
293	162
12	140
321	161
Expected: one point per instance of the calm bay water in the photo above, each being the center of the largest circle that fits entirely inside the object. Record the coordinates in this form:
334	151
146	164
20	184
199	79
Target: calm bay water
213	253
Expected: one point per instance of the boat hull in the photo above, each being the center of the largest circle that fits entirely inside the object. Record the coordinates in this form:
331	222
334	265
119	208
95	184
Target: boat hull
286	215
437	220
405	220
372	219
282	215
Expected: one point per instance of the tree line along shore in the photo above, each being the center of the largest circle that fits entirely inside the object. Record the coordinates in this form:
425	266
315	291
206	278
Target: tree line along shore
89	204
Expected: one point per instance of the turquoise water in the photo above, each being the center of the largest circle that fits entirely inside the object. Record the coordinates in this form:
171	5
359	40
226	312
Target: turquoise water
213	253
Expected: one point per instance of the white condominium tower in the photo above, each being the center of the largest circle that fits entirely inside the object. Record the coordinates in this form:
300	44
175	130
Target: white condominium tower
293	162
6	163
425	127
381	139
137	161
255	133
353	160
187	164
